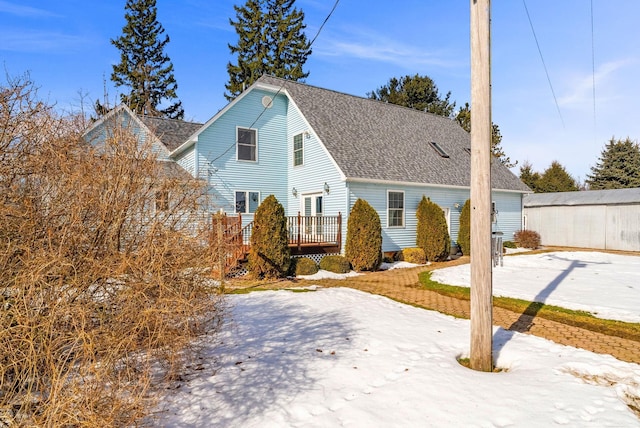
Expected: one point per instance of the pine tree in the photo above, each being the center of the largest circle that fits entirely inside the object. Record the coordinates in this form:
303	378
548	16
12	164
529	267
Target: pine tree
416	92
464	119
528	176
144	67
270	41
618	167
556	179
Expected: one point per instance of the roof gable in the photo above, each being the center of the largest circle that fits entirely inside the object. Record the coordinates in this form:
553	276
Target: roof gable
373	140
170	133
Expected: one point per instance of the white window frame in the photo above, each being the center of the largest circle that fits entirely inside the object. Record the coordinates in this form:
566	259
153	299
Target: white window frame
389	210
255	132
301	150
247	205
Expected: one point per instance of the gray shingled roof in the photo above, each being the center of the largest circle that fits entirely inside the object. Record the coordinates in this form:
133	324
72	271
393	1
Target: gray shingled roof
374	140
589	197
171	132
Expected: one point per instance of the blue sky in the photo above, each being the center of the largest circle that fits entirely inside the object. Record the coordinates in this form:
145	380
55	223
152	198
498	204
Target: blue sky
65	46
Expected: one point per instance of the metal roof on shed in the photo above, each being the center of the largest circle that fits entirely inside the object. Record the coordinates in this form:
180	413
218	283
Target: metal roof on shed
589	197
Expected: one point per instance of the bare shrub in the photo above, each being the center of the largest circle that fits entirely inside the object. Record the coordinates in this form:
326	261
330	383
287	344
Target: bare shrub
100	292
527	239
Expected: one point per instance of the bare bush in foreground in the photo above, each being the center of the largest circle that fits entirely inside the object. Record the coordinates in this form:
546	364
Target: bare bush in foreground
103	261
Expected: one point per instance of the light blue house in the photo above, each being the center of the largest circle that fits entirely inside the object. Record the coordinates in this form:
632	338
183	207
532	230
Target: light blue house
318	151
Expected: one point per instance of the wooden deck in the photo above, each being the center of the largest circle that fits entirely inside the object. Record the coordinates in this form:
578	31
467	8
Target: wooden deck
307	235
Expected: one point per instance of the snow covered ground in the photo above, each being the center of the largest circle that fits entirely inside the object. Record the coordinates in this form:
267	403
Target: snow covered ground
340	357
607	285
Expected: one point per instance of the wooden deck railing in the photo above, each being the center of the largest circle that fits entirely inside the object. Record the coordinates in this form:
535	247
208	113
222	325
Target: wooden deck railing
307	234
314	230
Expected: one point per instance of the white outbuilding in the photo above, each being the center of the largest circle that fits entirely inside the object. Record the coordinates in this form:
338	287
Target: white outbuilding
600	219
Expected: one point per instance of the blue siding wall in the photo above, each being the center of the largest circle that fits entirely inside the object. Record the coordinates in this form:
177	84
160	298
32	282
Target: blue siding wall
397	238
216	150
186	160
509	217
316	170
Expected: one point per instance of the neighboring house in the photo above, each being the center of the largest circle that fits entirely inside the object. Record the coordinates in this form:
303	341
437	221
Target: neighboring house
600	219
164	136
318	151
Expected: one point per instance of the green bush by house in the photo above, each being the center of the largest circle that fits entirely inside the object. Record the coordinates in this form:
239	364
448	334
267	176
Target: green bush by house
414	255
364	237
432	231
464	232
509	244
305	266
336	264
269	256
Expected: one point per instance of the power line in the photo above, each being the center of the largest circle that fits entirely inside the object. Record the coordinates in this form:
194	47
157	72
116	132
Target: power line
335	5
543	63
593	73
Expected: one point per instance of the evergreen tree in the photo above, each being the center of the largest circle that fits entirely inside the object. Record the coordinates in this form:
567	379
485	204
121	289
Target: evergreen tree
556	179
270	41
464	119
464	230
416	92
618	167
528	176
144	67
269	255
432	233
364	237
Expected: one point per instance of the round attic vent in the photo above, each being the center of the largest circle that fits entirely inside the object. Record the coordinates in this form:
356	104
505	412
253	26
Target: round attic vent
267	101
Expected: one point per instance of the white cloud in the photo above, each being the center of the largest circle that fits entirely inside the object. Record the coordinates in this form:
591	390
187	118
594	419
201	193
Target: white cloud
580	93
25	11
368	45
39	41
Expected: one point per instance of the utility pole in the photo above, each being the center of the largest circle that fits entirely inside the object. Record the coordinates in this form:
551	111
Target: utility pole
481	285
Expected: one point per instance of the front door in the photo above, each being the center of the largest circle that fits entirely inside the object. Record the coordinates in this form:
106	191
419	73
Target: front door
312	208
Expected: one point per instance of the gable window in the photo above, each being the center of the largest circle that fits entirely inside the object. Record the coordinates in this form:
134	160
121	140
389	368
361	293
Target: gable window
297	150
247	144
247	202
395	209
162	200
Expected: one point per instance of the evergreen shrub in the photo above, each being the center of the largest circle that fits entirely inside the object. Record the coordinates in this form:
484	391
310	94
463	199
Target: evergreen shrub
414	255
464	232
509	244
269	256
527	239
364	237
432	231
305	266
335	264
